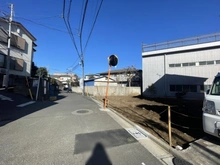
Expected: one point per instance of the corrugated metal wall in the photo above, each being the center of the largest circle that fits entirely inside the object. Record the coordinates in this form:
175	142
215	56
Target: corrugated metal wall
164	70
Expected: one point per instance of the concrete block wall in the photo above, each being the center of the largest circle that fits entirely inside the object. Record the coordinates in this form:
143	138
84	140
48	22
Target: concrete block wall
112	91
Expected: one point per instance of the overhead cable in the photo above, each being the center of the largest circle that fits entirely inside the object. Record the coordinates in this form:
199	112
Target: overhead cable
69	27
93	25
82	24
52	28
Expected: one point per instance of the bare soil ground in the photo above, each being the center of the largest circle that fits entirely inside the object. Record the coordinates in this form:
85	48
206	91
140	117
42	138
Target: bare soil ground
152	115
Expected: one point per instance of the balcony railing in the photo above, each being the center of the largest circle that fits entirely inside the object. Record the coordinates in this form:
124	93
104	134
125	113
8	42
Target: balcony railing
181	42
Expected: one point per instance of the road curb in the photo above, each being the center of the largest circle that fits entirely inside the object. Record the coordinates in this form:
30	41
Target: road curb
161	143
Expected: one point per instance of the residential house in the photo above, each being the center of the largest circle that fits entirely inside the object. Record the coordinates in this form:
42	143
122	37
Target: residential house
91	76
125	77
101	81
22	50
64	78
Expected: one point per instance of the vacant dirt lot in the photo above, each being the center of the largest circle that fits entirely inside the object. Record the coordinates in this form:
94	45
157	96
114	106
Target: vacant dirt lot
152	115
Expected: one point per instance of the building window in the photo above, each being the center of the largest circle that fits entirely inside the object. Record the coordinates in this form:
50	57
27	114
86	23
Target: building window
183	88
174	65
177	65
185	64
179	88
2	60
202	63
192	64
206	62
17	42
16	64
12	63
19	65
210	62
189	64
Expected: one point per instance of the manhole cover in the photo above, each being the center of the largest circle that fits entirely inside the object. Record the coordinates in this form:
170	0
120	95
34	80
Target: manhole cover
82	112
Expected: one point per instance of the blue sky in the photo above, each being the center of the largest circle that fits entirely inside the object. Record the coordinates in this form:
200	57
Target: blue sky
122	26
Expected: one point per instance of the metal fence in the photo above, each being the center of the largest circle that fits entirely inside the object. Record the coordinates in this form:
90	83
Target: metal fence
182	42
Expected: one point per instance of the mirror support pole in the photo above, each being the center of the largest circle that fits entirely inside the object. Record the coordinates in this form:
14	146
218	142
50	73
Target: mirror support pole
106	94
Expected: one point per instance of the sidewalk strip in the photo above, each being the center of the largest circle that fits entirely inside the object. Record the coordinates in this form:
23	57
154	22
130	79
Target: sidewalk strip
25	104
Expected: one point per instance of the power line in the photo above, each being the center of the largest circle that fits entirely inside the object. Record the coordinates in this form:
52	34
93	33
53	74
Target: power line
52	28
5	13
69	27
70	4
82	24
74	62
64	6
93	25
56	16
81	14
75	67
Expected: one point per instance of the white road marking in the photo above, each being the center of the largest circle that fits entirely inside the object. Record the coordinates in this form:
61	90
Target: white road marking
25	104
2	97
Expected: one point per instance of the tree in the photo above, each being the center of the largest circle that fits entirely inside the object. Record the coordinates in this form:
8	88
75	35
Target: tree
53	81
34	69
42	71
130	73
76	81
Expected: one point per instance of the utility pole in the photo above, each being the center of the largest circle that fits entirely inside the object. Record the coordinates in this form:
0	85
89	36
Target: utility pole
83	85
9	46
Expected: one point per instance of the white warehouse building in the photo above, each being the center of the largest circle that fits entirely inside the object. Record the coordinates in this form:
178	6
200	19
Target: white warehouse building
184	67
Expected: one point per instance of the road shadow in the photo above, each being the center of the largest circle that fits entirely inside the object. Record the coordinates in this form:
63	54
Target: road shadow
9	111
99	156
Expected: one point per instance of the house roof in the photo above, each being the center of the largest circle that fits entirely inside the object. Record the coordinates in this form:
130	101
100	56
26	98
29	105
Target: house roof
121	71
57	76
97	79
20	26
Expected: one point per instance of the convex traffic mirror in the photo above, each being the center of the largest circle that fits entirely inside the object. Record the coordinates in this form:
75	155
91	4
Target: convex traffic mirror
113	60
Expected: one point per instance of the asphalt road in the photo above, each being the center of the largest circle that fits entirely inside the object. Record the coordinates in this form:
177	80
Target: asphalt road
72	130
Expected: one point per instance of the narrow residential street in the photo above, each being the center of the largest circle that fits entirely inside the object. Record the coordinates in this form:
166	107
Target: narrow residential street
71	130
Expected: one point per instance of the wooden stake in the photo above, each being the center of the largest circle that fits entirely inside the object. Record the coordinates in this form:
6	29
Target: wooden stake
29	89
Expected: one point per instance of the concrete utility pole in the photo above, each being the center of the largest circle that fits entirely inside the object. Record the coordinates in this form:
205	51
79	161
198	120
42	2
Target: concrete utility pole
83	85
9	46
